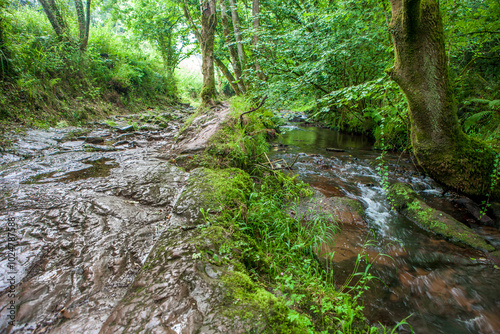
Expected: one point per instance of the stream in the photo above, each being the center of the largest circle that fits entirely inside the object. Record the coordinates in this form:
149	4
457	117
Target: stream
443	288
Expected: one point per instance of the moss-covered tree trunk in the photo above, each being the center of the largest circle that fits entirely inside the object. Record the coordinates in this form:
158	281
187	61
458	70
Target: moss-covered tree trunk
421	70
55	18
207	38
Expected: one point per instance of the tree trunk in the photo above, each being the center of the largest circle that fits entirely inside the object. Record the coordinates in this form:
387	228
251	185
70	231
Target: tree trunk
207	38
237	33
255	39
83	23
233	55
80	14
5	65
229	77
85	41
420	69
55	17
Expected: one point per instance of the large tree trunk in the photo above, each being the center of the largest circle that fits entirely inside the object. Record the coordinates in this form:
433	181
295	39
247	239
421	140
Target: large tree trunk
420	69
233	55
207	38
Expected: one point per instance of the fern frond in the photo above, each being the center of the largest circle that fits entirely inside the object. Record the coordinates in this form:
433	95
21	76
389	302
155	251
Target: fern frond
476	120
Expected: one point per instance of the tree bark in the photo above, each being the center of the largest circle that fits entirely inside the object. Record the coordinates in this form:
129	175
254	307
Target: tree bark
80	14
207	38
255	38
85	41
237	33
83	22
55	17
233	55
229	77
421	71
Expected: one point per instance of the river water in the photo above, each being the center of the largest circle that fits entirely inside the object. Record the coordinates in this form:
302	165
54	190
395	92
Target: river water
442	287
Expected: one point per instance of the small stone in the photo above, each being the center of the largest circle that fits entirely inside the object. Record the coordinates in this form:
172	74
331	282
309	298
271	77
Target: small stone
94	140
128	128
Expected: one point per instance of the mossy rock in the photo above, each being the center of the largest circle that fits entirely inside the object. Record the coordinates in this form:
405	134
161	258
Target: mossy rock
434	221
340	210
211	191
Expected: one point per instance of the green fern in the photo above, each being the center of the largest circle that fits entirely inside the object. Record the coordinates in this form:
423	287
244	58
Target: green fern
484	123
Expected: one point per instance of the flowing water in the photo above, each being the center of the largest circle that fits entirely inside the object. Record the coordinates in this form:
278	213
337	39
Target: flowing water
445	288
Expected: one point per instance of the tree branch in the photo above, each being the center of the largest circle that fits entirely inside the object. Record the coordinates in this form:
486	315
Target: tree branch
254	109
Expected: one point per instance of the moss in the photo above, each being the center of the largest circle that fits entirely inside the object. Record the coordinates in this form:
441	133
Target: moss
352	204
226	188
434	221
248	300
208	95
466	166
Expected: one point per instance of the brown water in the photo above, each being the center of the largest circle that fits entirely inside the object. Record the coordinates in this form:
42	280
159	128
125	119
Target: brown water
442	287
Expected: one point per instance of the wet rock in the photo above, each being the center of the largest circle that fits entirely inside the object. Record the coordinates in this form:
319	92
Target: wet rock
120	143
195	137
128	128
178	295
88	231
149	127
6	158
474	210
409	204
340	210
332	149
72	145
156	184
93	140
98	148
125	136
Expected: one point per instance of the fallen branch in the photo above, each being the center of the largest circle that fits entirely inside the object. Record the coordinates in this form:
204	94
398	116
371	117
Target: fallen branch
296	158
247	112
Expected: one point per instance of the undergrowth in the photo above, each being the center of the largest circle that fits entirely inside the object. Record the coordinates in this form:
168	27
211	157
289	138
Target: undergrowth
53	80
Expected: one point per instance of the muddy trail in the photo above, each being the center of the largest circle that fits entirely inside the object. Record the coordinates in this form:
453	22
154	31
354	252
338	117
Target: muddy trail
81	212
